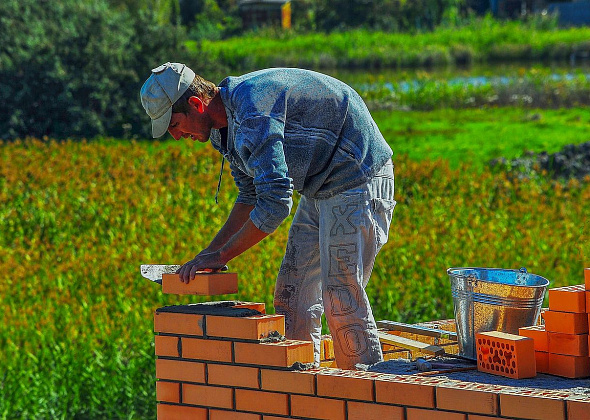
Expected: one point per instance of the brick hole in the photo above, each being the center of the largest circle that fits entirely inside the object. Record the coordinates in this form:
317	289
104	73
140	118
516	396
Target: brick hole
511	348
511	371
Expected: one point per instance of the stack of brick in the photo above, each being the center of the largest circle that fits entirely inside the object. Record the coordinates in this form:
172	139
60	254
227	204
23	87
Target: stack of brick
562	344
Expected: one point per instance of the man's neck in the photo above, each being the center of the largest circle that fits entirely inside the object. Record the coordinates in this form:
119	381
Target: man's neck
217	111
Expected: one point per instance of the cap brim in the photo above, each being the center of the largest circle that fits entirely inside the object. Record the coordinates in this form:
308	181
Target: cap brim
160	125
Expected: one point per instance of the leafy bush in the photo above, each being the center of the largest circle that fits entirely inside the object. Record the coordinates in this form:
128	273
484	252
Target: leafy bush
72	68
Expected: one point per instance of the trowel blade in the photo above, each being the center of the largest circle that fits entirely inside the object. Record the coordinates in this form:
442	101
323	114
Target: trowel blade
154	272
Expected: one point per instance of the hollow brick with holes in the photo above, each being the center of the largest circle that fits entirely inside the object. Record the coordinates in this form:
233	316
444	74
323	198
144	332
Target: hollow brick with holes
205	284
245	328
573	367
568	299
568	344
505	354
566	322
181	412
281	354
538	334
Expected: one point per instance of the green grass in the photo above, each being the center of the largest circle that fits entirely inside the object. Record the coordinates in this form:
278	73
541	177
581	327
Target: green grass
483	40
479	135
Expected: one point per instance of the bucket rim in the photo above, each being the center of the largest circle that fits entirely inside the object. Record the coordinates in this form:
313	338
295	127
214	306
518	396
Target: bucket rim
544	285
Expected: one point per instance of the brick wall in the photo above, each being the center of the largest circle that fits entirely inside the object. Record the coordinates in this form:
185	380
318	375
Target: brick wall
214	365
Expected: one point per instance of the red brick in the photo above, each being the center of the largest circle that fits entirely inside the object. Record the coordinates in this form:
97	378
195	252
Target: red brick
478	417
231	415
178	323
260	307
568	299
345	384
467	397
293	382
208	396
203	284
369	411
231	375
317	408
181	412
167	345
542	361
168	391
505	354
531	405
404	391
538	334
566	322
587	278
262	402
421	414
214	350
246	328
569	366
568	344
578	408
177	370
588	302
281	354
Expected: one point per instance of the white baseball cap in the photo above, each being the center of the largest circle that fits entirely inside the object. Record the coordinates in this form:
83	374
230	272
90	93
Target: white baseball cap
161	90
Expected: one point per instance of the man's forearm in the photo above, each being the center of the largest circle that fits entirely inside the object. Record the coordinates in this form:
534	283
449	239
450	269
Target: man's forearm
248	236
239	215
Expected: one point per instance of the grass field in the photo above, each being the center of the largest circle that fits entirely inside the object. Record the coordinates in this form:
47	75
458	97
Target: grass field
77	219
483	40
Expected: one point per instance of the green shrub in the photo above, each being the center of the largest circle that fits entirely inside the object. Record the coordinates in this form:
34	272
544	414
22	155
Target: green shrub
73	68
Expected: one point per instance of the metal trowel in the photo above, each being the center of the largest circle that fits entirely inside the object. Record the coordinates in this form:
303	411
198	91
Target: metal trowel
154	272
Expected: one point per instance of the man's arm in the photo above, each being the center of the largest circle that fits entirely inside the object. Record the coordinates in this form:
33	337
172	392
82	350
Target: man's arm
237	235
238	216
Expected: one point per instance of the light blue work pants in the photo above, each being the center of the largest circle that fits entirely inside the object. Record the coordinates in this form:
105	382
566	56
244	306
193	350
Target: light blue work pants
329	258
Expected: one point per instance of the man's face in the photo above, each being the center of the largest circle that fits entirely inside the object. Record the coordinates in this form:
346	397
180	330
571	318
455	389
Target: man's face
196	124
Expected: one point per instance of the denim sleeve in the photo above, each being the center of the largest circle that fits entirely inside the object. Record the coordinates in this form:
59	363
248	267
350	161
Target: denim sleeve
246	190
259	141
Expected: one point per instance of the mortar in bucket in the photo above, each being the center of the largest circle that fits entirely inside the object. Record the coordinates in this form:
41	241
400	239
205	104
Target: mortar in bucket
493	299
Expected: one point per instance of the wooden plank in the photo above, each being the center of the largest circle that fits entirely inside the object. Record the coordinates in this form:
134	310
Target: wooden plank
406	343
416	329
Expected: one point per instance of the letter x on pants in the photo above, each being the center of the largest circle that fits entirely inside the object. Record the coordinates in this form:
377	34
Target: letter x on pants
329	258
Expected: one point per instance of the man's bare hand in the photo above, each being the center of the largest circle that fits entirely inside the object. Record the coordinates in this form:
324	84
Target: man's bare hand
208	261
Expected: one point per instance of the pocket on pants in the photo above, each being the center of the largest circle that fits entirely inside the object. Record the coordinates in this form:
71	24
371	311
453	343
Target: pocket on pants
382	216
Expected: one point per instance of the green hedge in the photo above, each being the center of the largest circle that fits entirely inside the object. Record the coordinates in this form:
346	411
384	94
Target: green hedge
72	68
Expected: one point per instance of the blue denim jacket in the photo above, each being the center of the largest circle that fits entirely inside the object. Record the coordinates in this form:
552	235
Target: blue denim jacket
296	129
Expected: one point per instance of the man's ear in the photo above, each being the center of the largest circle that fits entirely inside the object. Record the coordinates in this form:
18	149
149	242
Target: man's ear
197	103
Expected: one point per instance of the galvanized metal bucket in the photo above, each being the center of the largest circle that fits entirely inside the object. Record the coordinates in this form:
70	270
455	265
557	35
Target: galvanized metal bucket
494	299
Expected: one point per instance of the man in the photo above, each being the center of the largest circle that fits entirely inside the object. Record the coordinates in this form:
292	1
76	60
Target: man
283	130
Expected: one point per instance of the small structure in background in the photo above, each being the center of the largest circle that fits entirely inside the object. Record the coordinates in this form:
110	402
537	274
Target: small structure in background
569	12
257	13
